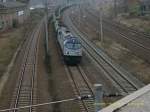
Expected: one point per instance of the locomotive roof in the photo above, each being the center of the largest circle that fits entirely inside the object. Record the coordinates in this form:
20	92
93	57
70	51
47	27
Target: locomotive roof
65	30
61	23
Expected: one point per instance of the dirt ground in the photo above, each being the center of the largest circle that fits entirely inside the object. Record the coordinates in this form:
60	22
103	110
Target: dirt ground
96	76
9	42
6	94
140	24
124	57
119	53
43	93
51	86
94	73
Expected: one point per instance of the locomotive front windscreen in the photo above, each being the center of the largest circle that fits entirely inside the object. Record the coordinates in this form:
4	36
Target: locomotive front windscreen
73	44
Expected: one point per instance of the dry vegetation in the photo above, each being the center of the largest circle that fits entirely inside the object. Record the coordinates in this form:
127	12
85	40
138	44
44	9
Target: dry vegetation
10	40
124	57
137	23
119	53
8	44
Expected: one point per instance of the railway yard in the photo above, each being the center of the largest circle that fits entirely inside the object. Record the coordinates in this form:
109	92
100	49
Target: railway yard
119	61
126	46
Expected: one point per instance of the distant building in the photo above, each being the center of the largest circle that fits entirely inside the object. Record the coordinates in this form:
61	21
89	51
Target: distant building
135	7
145	6
12	13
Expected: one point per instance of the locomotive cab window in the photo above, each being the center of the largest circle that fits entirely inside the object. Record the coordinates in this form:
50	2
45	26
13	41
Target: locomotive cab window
59	33
70	45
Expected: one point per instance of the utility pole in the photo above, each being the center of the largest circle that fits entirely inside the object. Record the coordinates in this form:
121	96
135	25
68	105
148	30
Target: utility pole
79	19
115	8
125	2
101	23
46	9
46	25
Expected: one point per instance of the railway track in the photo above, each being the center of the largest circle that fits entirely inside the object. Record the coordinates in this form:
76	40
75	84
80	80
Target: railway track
133	36
120	78
25	91
81	87
140	37
137	42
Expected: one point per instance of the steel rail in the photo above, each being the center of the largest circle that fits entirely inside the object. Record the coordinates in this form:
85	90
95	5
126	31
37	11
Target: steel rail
105	60
30	45
82	87
124	35
34	72
119	25
74	84
22	71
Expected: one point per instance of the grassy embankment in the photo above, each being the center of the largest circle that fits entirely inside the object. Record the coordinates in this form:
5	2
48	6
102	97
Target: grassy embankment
10	40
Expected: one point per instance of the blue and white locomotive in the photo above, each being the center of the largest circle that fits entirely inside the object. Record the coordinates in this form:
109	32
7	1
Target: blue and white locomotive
70	45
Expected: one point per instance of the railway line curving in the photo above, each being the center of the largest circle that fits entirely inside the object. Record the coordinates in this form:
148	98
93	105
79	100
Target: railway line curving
81	87
119	77
136	41
25	92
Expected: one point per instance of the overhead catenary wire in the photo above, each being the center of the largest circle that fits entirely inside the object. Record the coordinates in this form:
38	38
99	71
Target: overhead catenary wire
49	103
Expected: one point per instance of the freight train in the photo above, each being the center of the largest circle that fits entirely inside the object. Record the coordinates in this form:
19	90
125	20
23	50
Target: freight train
70	45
